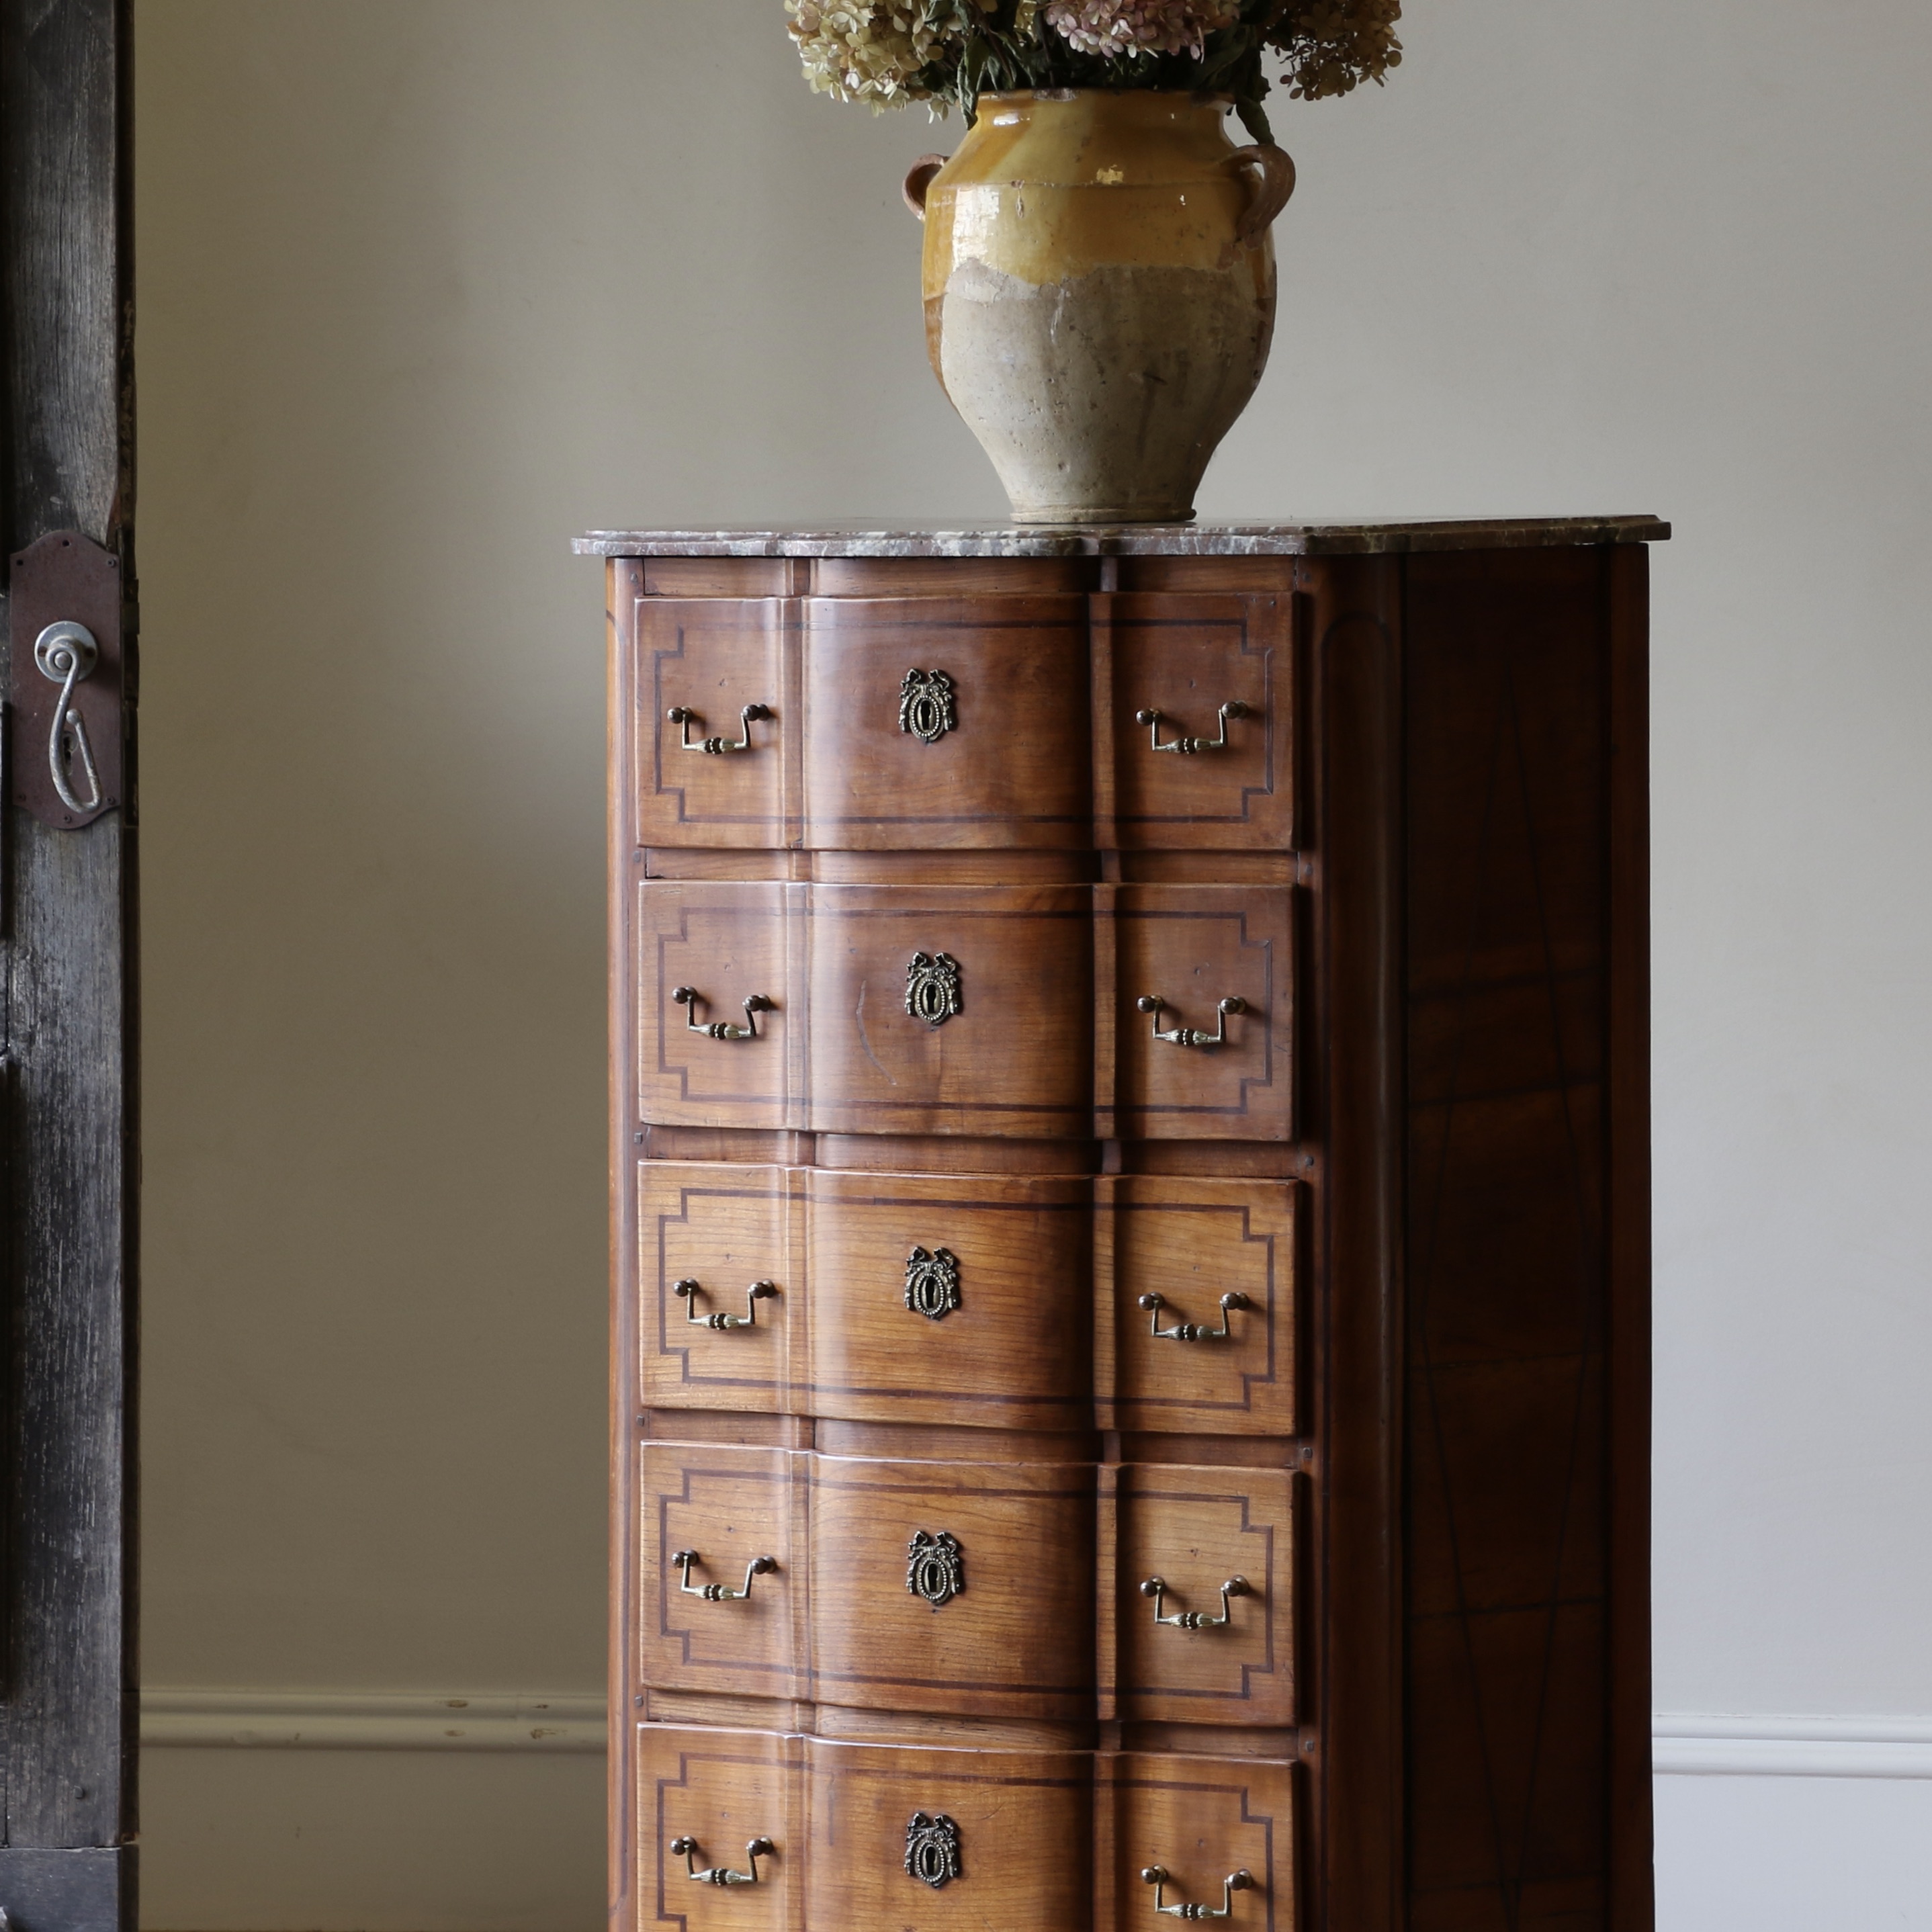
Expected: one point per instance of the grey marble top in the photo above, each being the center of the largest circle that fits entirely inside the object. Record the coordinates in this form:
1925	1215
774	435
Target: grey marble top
861	539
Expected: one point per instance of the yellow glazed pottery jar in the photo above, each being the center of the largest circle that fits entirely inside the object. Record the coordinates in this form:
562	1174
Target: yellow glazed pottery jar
1100	294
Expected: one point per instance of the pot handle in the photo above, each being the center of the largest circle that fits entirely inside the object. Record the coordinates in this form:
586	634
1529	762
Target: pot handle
1275	183
918	179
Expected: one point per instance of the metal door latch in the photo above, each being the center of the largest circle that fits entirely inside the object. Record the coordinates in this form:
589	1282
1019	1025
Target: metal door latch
66	757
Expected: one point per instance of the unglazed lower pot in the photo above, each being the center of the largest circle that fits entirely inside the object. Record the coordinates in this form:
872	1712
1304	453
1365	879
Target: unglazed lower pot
1100	294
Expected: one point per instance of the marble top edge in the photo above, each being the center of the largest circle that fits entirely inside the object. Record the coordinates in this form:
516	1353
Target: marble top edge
1012	540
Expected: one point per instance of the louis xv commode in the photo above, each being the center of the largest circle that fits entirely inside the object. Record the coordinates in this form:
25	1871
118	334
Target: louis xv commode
1132	1193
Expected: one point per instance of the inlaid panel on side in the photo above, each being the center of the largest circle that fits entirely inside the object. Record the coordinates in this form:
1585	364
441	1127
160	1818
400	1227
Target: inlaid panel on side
721	945
999	1841
954	1587
698	666
739	1513
723	1235
1218	671
1218	1352
1210	1053
944	721
713	1793
1213	1546
1198	1823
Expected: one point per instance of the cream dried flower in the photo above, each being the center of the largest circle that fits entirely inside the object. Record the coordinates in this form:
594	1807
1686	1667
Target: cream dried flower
871	50
1136	29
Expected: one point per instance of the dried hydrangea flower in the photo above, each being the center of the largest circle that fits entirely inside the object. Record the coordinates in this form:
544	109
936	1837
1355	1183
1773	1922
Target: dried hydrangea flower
1332	46
1134	29
874	50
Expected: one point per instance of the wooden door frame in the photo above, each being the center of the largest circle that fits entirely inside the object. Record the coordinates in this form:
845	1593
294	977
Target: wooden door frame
68	1713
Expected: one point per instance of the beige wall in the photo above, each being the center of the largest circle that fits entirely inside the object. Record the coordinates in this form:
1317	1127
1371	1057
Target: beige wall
427	286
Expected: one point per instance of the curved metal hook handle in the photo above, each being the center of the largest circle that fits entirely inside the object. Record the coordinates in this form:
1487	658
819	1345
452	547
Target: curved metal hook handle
1271	190
687	1850
1156	1587
689	1291
688	997
684	718
1158	1877
1188	747
66	654
720	1593
1152	1003
1192	1331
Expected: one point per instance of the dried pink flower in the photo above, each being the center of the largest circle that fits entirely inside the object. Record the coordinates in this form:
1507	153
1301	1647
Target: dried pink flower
1133	29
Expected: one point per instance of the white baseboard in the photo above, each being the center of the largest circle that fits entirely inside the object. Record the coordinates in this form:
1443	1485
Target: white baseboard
369	1720
1685	1745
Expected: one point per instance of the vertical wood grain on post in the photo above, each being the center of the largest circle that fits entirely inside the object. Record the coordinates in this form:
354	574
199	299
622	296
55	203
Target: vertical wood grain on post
68	1762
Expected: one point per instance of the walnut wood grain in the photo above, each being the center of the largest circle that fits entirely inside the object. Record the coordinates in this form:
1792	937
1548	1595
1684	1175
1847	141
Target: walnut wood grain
712	658
1016	1059
1193	947
1024	1826
1191	1242
1201	1819
733	1506
725	1228
1011	770
1018	1640
1015	1352
1358	1856
834	1336
727	943
1186	657
725	1789
1194	1529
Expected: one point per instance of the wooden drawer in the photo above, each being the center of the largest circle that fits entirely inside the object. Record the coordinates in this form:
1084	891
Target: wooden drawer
725	1790
1200	1821
878	723
1195	1531
1016	1826
862	1835
906	1298
937	722
960	1587
741	1514
926	1840
1017	1540
890	1009
713	659
1191	1244
1185	657
1231	1075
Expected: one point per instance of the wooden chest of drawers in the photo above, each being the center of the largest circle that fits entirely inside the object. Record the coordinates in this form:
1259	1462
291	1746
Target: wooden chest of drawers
1131	1217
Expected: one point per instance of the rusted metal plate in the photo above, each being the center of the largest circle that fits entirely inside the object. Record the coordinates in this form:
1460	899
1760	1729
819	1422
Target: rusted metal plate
66	579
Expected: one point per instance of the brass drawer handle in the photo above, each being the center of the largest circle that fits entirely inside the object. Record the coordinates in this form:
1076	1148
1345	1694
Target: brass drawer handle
688	1848
684	719
1150	1003
688	997
689	1292
1155	1587
1187	747
1157	1876
1191	1331
721	1593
